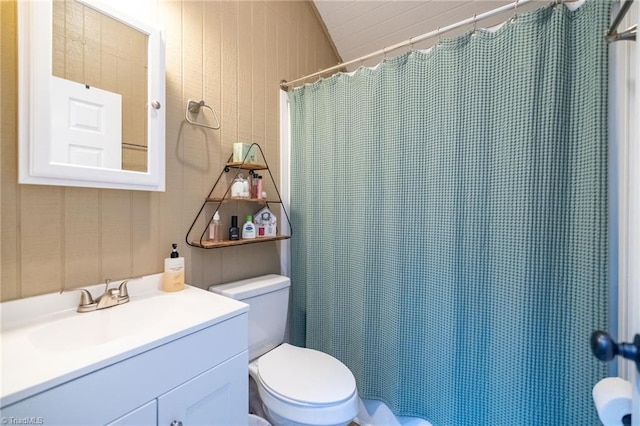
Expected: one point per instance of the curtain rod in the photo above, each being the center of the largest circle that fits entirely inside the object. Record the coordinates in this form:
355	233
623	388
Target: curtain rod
629	33
474	19
285	85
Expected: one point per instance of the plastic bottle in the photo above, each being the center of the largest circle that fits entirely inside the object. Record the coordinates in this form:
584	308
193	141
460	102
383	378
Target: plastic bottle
215	228
234	232
259	188
248	229
254	186
174	271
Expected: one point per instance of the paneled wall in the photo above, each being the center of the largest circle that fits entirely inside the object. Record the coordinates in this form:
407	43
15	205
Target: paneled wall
232	54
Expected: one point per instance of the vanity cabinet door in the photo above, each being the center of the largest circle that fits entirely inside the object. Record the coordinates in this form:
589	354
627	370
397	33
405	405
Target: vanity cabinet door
218	396
145	415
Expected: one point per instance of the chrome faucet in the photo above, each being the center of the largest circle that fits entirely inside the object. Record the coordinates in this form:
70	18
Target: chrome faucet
110	297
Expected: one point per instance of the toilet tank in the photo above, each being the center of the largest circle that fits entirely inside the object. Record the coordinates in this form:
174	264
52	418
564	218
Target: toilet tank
268	299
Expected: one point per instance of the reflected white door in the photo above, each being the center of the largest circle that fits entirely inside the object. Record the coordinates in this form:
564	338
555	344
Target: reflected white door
86	125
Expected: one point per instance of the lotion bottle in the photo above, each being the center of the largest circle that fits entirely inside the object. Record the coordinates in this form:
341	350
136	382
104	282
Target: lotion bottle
248	229
174	271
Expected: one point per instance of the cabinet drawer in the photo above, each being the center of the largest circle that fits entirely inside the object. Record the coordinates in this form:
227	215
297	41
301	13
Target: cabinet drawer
107	394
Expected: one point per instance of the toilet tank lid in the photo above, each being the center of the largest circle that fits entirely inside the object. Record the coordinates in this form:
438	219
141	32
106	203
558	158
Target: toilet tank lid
248	288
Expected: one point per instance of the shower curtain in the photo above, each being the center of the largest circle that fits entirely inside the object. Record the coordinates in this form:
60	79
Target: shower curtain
450	217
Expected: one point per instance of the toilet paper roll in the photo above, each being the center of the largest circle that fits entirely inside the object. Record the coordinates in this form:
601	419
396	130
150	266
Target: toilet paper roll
612	398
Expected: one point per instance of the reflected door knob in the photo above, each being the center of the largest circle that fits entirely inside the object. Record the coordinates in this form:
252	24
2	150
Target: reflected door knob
605	348
176	423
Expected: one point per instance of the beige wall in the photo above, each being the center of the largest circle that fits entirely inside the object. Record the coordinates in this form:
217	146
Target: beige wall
232	55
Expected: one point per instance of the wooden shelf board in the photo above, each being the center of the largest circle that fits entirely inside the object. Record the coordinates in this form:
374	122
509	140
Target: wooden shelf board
211	244
247	166
252	200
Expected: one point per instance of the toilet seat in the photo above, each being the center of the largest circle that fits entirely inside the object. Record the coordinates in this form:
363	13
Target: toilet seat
305	376
305	386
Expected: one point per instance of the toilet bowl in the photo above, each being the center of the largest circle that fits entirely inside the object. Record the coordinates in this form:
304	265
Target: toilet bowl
296	386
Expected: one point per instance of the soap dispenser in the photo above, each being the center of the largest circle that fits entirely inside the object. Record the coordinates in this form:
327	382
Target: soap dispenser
174	271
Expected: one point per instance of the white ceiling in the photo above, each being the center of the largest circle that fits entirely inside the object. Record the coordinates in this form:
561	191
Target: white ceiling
360	27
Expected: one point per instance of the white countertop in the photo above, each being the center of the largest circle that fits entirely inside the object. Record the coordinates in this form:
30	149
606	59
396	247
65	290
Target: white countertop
44	342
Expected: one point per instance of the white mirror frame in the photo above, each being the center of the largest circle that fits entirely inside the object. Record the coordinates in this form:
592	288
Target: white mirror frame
34	129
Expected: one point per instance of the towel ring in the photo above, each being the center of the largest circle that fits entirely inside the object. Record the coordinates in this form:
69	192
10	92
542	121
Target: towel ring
194	107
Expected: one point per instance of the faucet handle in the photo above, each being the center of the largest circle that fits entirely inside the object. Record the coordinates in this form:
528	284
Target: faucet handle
124	292
86	301
85	296
123	289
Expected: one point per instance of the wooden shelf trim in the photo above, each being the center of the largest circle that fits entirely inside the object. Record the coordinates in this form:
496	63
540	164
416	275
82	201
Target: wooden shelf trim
252	200
212	244
247	166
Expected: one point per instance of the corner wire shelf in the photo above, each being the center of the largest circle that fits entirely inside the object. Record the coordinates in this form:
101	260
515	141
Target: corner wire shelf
242	165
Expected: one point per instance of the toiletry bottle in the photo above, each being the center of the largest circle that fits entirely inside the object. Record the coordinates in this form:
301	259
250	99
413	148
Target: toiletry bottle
254	185
248	229
259	188
215	228
234	232
174	271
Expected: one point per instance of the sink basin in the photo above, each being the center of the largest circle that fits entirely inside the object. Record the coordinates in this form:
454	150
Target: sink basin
45	342
71	331
74	331
70	334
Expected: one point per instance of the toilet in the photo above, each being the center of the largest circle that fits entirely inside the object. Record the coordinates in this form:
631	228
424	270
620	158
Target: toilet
295	386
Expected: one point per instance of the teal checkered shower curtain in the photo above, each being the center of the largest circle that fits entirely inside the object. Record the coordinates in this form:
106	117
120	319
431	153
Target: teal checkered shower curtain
450	211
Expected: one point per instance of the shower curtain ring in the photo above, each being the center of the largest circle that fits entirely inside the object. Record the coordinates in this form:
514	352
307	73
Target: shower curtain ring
439	35
474	24
411	43
515	13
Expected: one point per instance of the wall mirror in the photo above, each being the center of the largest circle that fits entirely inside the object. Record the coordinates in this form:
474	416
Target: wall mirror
92	94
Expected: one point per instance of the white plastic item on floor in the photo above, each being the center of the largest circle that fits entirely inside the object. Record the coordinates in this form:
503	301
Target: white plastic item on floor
376	413
613	397
257	421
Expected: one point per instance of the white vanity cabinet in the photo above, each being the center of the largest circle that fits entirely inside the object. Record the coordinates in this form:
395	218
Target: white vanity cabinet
197	376
213	398
199	379
145	415
216	397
